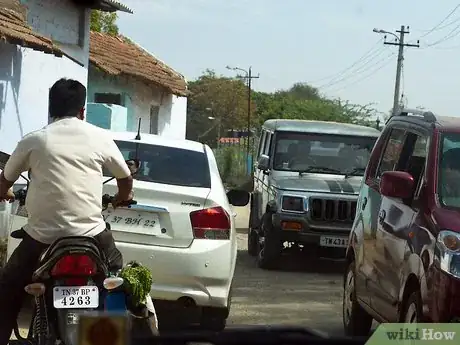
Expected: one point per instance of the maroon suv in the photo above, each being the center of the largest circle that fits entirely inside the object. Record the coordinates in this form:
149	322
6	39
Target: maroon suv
403	258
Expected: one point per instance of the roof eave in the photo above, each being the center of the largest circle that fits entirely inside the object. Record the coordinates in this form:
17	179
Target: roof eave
111	6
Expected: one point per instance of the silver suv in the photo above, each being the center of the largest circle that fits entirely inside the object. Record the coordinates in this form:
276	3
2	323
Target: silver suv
306	184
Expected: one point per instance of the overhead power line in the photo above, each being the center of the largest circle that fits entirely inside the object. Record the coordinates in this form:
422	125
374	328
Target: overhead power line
355	73
364	57
452	34
386	61
439	25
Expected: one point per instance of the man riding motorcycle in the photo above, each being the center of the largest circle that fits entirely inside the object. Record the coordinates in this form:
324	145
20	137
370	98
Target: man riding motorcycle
65	160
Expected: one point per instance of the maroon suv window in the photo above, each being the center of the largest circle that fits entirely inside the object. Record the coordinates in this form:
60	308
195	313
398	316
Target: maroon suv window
392	151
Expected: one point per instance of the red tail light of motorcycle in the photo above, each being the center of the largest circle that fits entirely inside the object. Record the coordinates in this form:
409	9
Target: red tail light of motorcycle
211	223
74	265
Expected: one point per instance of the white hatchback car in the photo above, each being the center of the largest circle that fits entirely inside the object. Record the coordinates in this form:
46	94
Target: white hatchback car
182	227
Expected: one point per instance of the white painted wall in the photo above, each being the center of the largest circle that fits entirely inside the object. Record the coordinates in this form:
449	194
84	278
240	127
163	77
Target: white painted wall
139	97
26	75
176	126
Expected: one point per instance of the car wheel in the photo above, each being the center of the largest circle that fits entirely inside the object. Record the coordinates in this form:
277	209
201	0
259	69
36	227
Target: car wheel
253	238
269	252
412	309
213	319
356	321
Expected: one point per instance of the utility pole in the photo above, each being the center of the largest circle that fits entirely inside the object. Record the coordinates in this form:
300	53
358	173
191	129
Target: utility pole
400	43
248	76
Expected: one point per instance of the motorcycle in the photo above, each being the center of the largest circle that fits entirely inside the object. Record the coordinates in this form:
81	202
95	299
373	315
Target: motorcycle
73	278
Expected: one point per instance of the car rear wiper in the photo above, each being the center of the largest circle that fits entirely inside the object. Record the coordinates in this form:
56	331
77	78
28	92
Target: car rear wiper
319	169
354	171
260	335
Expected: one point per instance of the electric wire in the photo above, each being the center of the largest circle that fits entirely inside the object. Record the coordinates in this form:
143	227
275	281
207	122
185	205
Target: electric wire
360	72
452	34
438	26
358	69
365	56
384	63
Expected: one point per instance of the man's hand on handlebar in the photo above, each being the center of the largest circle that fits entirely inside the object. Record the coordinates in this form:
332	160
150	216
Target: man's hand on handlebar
9	196
117	201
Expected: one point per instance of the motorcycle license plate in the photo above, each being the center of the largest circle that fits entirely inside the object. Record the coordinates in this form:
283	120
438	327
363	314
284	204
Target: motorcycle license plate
71	297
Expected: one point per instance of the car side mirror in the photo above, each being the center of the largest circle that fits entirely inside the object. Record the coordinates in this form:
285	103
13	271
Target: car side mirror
263	162
397	184
237	197
133	165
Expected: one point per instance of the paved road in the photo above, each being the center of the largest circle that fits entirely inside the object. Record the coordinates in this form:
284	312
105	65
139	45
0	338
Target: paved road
306	292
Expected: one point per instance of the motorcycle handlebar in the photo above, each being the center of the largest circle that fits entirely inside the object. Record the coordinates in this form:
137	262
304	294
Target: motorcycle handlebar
109	199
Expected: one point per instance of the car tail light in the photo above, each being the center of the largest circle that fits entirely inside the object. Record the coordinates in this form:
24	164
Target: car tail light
211	223
74	265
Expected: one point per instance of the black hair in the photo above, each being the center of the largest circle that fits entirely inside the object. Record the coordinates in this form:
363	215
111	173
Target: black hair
66	98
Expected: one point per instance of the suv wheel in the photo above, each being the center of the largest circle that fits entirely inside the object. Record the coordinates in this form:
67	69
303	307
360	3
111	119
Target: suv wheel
356	321
252	242
412	309
253	238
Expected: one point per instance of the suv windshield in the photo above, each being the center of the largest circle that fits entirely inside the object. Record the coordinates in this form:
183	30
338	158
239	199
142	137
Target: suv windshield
167	165
449	170
322	153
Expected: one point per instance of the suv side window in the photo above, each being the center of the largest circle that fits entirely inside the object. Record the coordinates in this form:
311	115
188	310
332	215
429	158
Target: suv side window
263	137
392	151
268	142
414	157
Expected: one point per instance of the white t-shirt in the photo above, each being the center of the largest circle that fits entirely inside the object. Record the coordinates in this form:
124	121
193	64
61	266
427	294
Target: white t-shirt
66	159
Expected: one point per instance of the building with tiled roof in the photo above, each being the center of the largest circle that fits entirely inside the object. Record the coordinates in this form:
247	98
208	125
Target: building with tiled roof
41	41
123	73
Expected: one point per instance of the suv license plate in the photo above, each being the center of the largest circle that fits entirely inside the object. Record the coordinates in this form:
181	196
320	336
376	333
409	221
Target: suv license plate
73	297
332	241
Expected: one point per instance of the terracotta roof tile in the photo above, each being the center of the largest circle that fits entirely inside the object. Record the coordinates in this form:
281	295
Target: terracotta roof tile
119	56
14	29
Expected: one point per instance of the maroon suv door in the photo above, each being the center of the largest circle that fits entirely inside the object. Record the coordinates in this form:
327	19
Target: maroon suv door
395	220
384	157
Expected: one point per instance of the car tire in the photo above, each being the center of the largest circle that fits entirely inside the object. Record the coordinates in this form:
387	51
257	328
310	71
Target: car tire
356	321
213	319
253	238
412	311
269	246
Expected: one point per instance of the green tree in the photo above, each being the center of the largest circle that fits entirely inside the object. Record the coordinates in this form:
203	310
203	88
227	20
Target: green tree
305	102
104	22
216	105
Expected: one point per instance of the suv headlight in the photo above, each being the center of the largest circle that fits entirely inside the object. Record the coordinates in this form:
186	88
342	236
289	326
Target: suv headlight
447	251
294	203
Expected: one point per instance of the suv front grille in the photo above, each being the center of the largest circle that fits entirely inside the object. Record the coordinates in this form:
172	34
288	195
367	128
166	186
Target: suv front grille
328	210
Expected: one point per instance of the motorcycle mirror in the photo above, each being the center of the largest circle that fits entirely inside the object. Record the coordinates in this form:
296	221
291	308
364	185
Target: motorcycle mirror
3	159
133	165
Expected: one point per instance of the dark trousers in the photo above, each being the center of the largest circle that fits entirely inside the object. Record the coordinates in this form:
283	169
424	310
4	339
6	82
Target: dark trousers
18	271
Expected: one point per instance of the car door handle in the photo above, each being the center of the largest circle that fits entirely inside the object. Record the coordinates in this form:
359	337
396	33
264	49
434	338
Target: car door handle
382	216
363	206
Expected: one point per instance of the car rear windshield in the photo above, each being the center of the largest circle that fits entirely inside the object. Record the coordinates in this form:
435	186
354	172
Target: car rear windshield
167	165
449	170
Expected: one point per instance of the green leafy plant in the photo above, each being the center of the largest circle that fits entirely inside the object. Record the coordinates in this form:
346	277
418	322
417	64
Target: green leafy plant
138	280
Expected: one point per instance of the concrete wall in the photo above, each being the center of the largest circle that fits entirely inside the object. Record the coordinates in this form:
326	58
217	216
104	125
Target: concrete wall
26	75
138	99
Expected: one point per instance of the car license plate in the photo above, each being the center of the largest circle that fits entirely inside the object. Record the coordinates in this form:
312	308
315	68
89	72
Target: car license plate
70	297
331	241
145	223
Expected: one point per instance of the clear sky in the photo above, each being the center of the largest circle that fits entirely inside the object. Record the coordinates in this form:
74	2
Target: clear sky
288	41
